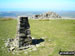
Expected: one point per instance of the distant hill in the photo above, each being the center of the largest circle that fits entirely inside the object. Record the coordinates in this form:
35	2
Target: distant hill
69	14
11	14
15	14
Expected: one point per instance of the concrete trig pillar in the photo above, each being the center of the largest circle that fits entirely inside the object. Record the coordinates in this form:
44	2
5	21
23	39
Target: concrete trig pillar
23	34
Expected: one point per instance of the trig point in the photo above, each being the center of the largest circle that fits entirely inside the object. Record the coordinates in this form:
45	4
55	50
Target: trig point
23	38
24	33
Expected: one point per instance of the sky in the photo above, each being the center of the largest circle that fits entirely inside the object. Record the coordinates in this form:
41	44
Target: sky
37	5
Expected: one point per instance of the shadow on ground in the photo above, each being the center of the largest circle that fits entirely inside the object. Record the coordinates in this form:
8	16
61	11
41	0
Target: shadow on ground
37	41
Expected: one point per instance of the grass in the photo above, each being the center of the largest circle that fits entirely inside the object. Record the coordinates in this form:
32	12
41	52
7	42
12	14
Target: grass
58	34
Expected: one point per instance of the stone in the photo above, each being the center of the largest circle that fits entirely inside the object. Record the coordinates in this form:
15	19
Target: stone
12	48
34	49
38	45
47	15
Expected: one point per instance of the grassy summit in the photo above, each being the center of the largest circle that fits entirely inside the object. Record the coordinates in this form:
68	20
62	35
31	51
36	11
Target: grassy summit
58	34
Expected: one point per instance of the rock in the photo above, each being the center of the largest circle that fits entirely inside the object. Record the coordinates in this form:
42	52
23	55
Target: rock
12	48
37	45
47	15
34	49
33	38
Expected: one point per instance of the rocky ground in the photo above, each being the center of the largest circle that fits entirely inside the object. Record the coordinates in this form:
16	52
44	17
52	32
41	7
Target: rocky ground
33	47
47	15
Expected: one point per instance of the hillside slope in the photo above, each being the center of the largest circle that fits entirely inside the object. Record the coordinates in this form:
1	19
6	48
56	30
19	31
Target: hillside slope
58	34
